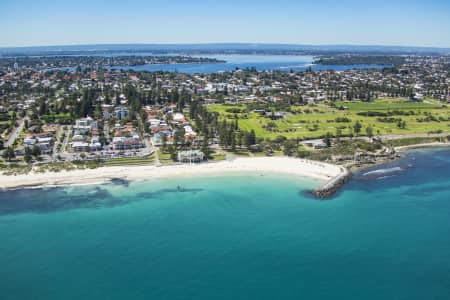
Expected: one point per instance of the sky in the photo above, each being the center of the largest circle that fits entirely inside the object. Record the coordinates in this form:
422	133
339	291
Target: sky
317	22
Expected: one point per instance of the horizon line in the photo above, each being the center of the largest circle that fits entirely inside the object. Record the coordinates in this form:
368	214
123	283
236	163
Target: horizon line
225	43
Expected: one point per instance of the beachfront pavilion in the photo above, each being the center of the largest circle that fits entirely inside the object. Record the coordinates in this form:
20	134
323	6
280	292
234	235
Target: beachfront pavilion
190	156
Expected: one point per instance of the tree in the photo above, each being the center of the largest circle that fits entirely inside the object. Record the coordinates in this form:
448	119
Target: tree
357	127
240	137
351	133
369	131
233	142
173	152
42	108
36	151
290	148
8	154
205	148
28	155
164	144
327	139
338	133
401	124
250	138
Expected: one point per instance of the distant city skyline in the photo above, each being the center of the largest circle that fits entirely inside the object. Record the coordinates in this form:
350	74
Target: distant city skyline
321	22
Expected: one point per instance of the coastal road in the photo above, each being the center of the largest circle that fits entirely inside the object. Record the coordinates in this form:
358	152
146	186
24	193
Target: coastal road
387	137
413	135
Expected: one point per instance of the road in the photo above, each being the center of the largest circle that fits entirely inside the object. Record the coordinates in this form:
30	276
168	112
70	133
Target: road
16	132
61	130
413	135
157	162
387	137
66	138
149	148
106	130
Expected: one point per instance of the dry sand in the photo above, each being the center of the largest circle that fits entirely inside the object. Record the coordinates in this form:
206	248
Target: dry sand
285	165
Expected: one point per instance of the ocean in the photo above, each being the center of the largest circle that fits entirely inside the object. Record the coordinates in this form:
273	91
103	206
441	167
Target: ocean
385	235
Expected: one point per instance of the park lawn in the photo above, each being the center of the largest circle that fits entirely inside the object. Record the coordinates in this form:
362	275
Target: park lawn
222	108
326	122
315	122
56	118
240	152
60	115
390	104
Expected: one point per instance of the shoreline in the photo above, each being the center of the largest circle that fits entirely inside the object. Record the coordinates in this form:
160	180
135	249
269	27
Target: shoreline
419	146
283	165
332	176
400	152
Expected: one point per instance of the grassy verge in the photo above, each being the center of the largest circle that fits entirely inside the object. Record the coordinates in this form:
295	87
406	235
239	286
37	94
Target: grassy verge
130	161
416	141
217	157
164	158
55	167
13	169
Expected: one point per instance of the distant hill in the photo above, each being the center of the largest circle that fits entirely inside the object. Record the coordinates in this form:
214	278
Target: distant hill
242	48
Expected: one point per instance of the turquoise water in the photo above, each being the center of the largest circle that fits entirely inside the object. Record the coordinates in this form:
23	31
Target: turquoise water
240	237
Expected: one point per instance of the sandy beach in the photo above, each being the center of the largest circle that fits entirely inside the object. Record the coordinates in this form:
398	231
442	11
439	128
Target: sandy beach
284	165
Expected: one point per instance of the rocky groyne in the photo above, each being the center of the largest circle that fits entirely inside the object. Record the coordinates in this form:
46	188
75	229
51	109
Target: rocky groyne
332	186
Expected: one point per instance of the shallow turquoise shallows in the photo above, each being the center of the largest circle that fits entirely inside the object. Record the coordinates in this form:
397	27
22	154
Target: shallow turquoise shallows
386	235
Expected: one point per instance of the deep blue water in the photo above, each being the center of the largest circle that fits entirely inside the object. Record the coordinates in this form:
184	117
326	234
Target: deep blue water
260	62
284	63
384	236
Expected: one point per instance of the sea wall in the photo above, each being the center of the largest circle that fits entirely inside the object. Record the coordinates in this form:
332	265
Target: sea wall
332	186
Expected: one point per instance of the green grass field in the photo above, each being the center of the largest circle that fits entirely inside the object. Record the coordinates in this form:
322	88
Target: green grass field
390	104
316	121
130	161
217	157
164	158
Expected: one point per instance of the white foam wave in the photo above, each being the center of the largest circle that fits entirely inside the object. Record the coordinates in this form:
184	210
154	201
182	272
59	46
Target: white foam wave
383	171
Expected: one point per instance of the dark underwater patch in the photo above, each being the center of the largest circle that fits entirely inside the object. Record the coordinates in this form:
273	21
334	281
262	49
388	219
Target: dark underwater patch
48	200
119	181
161	192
